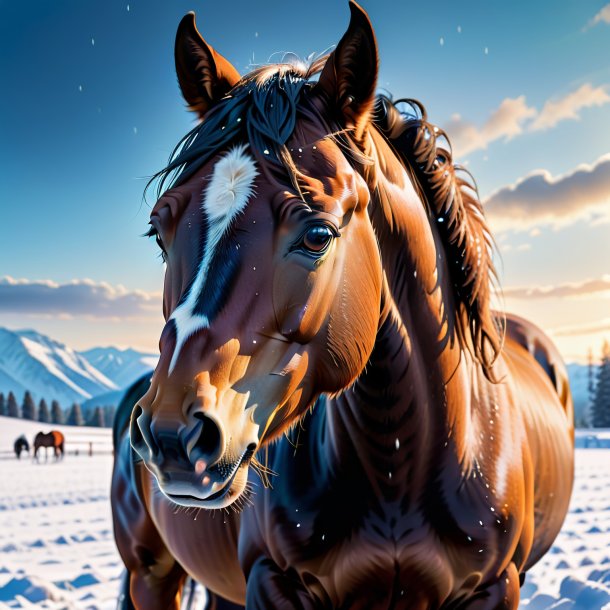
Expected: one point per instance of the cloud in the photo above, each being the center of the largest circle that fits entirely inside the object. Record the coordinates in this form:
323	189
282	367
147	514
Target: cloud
602	17
589	328
514	117
568	107
540	198
79	298
569	289
507	121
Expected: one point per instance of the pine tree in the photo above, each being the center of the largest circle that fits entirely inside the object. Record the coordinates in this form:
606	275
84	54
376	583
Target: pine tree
601	404
590	376
44	415
28	408
97	418
109	411
2	404
75	417
12	406
57	415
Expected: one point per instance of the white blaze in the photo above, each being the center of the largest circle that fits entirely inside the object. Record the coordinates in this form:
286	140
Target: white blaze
226	195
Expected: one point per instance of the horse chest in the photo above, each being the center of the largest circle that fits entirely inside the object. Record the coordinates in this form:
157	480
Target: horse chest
346	548
368	560
348	542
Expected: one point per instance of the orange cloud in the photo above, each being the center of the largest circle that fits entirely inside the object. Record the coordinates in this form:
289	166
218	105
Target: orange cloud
514	117
506	122
603	16
589	328
569	289
540	198
568	107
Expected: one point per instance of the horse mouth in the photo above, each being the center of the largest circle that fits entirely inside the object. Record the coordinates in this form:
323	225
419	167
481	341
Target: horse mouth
219	498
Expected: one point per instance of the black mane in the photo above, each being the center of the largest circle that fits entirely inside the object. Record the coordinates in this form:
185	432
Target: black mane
261	110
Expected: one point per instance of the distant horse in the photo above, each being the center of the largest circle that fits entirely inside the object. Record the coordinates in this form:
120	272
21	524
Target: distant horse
328	320
21	444
53	439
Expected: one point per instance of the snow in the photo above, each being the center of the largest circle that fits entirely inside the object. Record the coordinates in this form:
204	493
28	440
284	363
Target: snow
57	548
64	354
77	438
43	355
577	567
56	544
47	368
121	366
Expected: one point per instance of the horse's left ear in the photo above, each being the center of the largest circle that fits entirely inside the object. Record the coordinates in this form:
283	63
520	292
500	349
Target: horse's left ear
349	77
205	76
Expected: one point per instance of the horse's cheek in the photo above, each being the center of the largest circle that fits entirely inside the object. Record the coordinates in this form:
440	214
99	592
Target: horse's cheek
169	301
302	299
362	287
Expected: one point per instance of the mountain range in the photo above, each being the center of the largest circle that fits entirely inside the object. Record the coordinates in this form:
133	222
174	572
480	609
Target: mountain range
49	369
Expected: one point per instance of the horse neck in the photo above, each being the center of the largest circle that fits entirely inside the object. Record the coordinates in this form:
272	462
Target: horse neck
412	401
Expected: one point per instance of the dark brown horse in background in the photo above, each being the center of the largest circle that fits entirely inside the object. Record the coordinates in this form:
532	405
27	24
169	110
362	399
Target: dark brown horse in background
328	320
21	444
54	439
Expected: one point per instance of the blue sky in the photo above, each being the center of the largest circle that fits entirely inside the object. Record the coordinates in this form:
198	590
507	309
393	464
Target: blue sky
90	107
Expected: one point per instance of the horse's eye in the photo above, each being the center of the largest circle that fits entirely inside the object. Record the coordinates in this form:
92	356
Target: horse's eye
317	239
152	232
160	243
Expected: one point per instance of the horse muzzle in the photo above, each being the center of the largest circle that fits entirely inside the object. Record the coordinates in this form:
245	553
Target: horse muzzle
194	464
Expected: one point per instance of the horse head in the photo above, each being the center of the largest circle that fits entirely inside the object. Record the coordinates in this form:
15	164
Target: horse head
273	277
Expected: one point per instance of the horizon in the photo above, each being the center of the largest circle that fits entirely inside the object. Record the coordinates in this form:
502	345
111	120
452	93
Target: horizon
148	352
523	91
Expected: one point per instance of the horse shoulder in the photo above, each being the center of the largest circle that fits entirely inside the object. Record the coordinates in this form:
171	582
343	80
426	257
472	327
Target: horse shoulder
539	401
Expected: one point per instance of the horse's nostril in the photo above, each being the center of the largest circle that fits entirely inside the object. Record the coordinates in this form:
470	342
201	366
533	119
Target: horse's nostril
208	443
140	435
135	433
136	412
172	453
251	447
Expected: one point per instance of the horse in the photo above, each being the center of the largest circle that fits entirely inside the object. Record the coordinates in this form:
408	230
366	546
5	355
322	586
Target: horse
54	439
21	444
339	418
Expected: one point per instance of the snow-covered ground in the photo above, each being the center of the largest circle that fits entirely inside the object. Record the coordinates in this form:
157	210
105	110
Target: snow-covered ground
78	439
577	568
57	549
56	543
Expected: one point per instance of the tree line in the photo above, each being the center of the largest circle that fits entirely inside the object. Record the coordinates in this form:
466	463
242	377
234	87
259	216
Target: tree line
599	390
100	417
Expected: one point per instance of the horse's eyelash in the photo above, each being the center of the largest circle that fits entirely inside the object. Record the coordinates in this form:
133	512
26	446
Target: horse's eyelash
152	232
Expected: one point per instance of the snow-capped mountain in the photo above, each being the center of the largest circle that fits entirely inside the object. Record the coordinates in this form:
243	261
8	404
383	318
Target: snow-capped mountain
32	361
49	369
122	367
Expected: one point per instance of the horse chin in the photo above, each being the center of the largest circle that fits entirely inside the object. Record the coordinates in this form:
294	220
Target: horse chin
219	498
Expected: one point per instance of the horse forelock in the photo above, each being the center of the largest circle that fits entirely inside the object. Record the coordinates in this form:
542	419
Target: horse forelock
261	110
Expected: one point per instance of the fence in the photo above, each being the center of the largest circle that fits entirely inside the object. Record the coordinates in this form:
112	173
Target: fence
79	441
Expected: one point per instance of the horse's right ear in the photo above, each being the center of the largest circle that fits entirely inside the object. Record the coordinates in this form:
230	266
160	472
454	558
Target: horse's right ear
204	75
349	77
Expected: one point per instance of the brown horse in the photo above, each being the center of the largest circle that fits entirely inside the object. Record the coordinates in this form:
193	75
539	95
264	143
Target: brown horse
54	439
330	366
